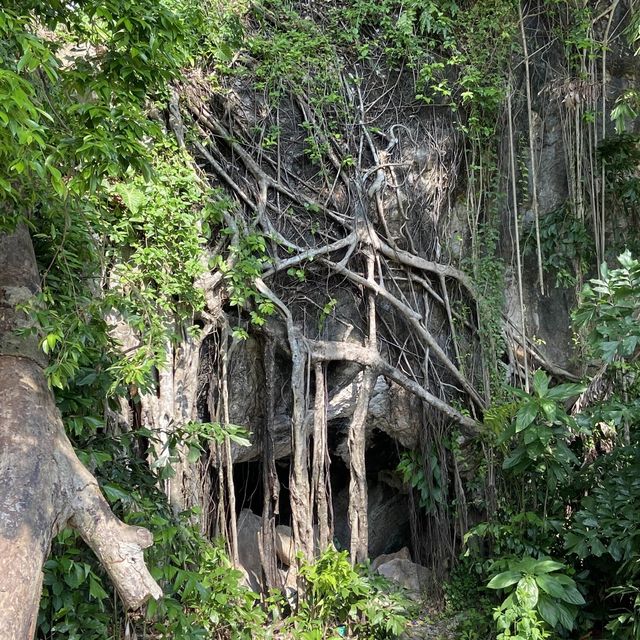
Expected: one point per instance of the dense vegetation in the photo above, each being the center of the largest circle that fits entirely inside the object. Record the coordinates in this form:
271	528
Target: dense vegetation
108	153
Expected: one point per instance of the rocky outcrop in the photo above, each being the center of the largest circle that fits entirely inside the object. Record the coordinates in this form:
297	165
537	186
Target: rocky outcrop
406	191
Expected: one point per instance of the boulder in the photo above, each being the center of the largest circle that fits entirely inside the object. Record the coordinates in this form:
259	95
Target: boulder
387	557
285	549
413	577
249	525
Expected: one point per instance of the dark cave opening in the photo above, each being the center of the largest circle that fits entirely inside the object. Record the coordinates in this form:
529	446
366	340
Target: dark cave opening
388	508
247	478
389	511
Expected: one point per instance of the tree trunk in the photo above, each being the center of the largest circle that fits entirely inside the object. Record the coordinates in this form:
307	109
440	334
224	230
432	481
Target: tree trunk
43	485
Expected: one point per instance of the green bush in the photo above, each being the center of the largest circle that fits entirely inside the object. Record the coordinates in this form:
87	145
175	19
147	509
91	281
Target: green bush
337	598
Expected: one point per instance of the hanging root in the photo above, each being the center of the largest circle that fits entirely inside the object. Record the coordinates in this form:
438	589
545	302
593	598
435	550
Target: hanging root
414	319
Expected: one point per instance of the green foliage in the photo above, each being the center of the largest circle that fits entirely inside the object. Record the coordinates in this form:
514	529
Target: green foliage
162	226
467	597
70	124
540	434
74	602
513	535
430	488
110	201
294	54
604	535
219	603
196	438
566	246
541	588
627	104
609	307
625	625
402	30
150	252
607	521
337	595
487	271
599	532
620	156
486	37
625	110
328	309
518	622
246	261
460	55
202	591
108	198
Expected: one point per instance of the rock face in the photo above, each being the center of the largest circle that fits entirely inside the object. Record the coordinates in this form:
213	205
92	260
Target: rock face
420	203
413	577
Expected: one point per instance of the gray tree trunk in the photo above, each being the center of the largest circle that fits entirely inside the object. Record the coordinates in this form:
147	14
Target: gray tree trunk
43	485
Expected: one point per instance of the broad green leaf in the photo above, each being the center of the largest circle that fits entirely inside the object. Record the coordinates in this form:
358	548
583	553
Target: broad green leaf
88	379
549	408
514	459
132	197
507	433
565	616
565	391
526	415
572	595
526	565
609	349
629	345
547	566
194	454
627	261
504	579
531	435
540	383
114	493
597	548
527	592
548	610
95	589
551	586
239	440
615	550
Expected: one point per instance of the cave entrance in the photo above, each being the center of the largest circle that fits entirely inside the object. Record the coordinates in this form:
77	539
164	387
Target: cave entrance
247	478
389	512
388	504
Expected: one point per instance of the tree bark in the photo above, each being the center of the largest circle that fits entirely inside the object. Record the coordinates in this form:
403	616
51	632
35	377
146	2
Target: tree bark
43	485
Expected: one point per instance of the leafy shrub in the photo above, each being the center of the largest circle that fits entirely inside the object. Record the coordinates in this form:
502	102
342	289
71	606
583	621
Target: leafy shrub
339	598
541	432
541	589
514	535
